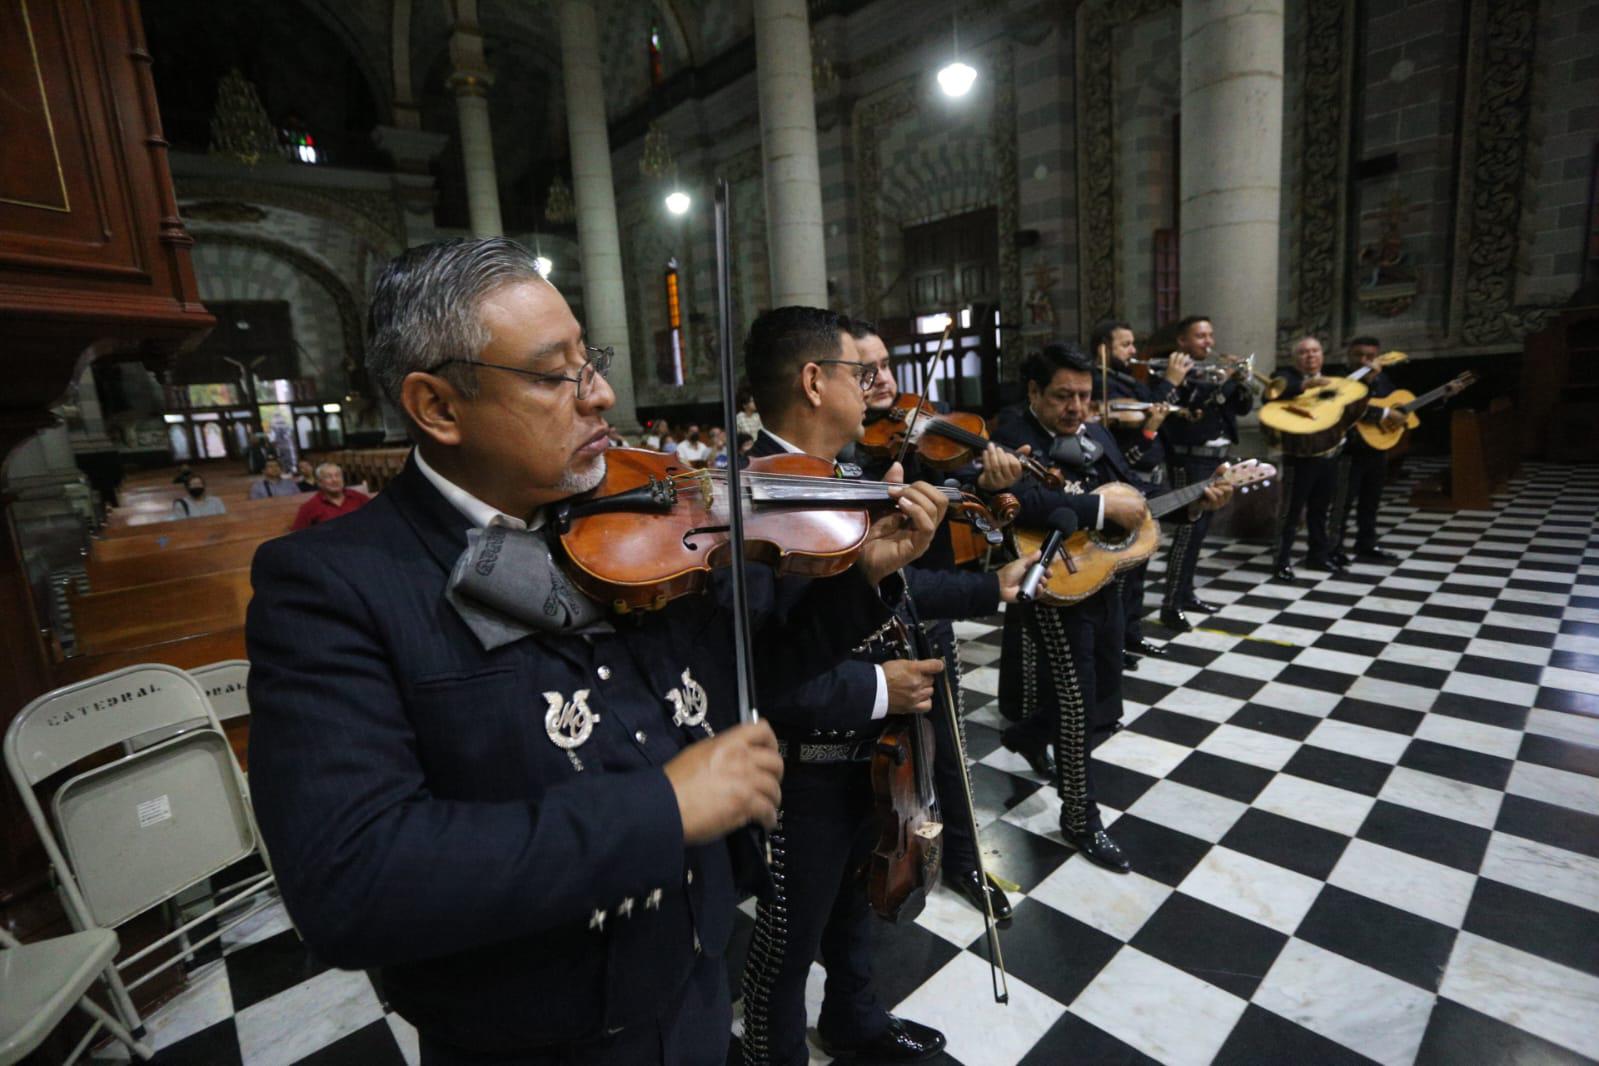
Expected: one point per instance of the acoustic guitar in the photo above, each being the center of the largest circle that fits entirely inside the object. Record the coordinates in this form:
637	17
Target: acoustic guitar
1314	422
1091	558
1383	435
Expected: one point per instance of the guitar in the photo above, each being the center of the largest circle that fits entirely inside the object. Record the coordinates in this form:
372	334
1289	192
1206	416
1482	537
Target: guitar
1091	558
1314	422
1383	434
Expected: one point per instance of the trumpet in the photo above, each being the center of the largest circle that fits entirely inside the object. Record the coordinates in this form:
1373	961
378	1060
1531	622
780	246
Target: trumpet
1269	388
1210	371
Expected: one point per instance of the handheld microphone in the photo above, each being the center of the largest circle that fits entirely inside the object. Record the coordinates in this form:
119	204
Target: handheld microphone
1062	524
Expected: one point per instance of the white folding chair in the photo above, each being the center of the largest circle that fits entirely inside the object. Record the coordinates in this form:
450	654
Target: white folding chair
138	830
224	684
42	981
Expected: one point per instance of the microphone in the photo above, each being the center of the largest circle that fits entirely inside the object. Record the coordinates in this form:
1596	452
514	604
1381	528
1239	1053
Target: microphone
1062	524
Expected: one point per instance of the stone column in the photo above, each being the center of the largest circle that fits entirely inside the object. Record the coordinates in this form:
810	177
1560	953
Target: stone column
788	147
412	151
594	194
1232	153
470	82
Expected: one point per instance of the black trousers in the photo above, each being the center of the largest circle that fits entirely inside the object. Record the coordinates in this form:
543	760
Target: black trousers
1183	556
1132	585
1360	476
960	846
1307	486
696	1033
1061	678
821	845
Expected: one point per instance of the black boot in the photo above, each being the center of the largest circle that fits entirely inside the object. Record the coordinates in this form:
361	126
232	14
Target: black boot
1284	573
968	883
1145	646
1194	603
1174	619
1098	848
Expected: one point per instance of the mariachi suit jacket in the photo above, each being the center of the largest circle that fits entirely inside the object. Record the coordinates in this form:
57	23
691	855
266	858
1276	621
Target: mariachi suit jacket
422	819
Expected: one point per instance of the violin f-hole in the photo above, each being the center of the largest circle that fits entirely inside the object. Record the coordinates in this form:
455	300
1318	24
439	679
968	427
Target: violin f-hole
688	533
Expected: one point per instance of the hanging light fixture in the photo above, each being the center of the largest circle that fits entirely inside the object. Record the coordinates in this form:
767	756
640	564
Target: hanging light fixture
678	202
559	206
956	78
656	159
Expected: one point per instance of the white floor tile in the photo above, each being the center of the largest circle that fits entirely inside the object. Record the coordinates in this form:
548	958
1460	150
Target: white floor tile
982	1030
1149	755
1442	796
1191	810
1160	1010
1118	904
1546	999
1379	1016
1472	736
1406	881
1252	888
1543	869
1315	804
1577	791
1294	698
291	1025
1380	745
1250	746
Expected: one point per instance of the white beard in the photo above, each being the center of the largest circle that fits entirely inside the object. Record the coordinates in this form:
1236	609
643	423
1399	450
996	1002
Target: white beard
573	482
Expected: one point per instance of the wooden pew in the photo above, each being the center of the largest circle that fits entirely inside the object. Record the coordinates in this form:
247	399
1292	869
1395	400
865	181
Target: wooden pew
1483	458
200	649
106	575
141	522
164	610
193	533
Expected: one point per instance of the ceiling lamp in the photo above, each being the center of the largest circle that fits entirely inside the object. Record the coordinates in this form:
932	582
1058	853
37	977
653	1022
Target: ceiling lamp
957	79
678	202
543	265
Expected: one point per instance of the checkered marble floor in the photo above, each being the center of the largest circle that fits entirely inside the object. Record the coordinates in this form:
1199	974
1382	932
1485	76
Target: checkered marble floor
1362	812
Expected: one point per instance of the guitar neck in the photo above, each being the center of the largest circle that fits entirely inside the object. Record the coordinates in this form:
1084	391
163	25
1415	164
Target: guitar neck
1426	398
1177	499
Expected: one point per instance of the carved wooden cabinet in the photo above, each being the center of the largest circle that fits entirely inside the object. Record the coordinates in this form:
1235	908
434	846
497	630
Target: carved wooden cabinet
93	260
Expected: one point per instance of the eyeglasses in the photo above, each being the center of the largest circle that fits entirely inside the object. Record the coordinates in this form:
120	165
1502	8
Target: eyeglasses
597	362
865	373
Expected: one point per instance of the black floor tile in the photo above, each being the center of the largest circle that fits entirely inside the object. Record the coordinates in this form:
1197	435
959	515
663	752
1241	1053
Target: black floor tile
916	955
1211	944
1377	716
1053	952
1560	754
1338	769
1428	836
1016	855
1549	823
1453	614
1532	638
1223	684
1446	760
1182	729
1268	649
373	1045
1407	674
1349	645
1503	669
1558	699
1540	925
1457	1034
1532	610
1477	709
1263	1037
996	788
1141	690
1072	1040
1190	654
267	967
1225	777
1287	842
1312	677
216	1045
1157	852
1395	942
981	741
1117	786
1275	720
1572	660
1425	638
1224	624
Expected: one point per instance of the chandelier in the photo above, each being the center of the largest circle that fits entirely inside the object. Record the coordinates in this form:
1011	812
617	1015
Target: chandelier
657	157
558	205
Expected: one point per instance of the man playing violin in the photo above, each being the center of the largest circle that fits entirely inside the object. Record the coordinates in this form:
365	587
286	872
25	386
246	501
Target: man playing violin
528	816
810	383
1198	440
1137	433
1362	468
1307	484
994	471
1061	669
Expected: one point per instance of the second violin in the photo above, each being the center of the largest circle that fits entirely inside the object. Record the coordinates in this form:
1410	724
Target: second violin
944	441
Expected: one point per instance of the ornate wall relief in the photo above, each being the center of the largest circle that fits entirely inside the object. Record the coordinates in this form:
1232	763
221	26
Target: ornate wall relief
1327	63
1502	41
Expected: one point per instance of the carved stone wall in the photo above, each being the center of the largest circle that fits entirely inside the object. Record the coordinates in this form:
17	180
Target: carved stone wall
1148	93
1317	259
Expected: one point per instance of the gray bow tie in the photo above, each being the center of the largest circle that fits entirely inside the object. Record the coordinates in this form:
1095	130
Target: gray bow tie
507	586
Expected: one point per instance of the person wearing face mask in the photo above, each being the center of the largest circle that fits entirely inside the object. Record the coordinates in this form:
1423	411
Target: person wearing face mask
198	504
1060	672
1307	480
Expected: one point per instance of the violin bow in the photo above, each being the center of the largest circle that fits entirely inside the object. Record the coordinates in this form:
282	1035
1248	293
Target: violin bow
927	368
744	659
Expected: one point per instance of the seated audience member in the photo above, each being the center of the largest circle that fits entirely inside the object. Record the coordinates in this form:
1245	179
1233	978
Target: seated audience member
748	421
718	457
273	483
183	475
331	500
692	450
745	443
305	476
198	504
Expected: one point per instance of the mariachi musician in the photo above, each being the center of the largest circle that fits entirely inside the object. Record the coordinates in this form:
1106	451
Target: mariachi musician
1361	468
1307	486
1199	438
1061	668
1137	433
809	380
503	809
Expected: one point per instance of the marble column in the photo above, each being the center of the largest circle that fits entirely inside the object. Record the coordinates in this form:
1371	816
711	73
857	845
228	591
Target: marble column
470	83
1231	181
788	149
594	194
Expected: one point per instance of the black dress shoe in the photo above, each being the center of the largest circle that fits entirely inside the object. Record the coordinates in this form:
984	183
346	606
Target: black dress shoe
1175	620
1338	559
1129	662
1144	646
1097	846
1038	760
1284	573
903	1041
1319	565
1377	555
967	882
1194	603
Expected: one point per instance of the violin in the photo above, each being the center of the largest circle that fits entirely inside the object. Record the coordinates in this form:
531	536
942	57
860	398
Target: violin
905	861
942	441
655	528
